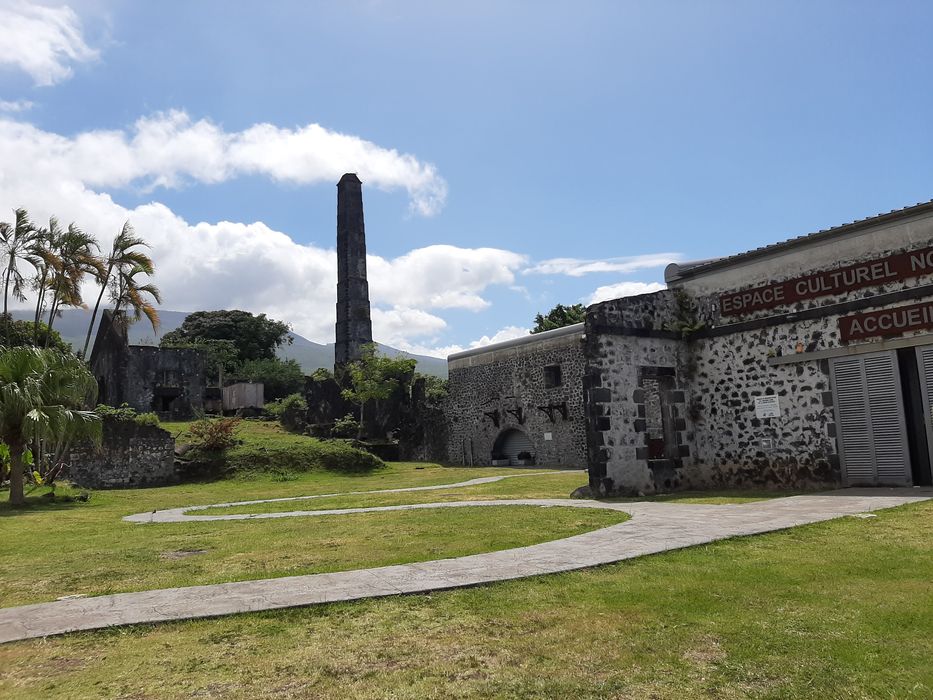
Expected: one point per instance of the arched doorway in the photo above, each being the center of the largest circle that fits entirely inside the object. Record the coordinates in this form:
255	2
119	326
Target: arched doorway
511	443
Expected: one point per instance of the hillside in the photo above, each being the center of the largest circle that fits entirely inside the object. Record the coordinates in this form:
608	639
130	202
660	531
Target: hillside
310	355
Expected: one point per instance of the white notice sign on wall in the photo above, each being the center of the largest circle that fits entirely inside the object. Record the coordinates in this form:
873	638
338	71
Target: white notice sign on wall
767	407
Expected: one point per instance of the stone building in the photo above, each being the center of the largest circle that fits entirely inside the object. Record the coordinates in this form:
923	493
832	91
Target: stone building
523	395
807	363
167	381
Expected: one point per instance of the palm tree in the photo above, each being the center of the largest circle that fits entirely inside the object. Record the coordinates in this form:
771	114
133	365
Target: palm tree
46	245
16	243
127	293
122	257
41	396
77	253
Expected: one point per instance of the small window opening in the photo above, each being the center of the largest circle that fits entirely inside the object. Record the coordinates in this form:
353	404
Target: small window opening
552	376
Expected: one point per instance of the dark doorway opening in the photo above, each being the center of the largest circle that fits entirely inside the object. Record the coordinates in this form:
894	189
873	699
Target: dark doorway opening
915	417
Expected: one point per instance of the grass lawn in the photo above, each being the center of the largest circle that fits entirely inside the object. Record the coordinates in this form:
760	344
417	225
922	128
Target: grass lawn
838	610
48	551
834	610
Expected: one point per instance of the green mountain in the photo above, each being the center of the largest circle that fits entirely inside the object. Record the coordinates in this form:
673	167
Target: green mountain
310	355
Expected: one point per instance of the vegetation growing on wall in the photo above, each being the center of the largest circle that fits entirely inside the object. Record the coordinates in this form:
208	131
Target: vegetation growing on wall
686	319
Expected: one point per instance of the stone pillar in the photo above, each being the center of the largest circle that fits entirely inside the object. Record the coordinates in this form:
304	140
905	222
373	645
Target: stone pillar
354	326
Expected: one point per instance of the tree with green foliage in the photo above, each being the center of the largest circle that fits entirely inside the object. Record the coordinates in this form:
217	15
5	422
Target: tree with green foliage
49	261
435	389
220	355
125	254
42	395
558	317
77	252
279	377
255	337
19	333
17	244
374	377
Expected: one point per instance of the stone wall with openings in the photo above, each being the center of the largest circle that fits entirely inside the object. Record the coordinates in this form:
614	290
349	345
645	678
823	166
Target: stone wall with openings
636	398
534	385
169	381
129	456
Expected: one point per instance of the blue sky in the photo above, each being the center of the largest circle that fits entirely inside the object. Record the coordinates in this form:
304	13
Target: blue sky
492	137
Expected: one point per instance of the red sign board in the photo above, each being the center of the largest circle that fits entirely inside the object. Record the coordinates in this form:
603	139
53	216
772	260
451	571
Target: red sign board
892	268
886	322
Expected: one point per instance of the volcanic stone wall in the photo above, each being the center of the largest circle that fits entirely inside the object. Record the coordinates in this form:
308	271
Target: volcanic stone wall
734	360
669	413
494	390
130	456
638	437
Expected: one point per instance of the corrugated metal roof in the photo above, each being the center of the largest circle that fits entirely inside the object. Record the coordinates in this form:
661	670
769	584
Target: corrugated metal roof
676	271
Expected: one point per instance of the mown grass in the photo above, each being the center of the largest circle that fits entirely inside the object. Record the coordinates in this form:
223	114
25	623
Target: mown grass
836	610
52	550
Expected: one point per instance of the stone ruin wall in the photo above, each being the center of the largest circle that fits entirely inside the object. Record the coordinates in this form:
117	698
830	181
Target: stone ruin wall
151	370
130	456
509	379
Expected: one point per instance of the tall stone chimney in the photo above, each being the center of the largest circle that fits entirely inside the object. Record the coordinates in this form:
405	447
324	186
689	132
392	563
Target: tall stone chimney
354	325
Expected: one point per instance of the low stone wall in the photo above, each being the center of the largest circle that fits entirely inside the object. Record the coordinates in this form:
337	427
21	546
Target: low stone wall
129	456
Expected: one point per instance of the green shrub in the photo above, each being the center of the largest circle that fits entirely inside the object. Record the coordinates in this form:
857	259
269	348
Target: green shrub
126	413
280	406
214	435
300	455
346	427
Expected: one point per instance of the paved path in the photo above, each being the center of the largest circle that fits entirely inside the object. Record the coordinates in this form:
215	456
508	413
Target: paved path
654	527
179	515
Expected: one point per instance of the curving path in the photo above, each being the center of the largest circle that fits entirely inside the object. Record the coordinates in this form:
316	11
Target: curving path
654	527
179	515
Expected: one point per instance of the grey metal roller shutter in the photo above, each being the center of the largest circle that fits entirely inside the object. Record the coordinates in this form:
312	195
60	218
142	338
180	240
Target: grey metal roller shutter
870	420
515	442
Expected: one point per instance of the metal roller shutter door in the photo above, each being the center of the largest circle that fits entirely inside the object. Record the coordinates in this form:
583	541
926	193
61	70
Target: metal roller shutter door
515	441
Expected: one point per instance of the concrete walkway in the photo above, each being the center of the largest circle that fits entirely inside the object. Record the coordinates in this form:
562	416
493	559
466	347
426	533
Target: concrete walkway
654	527
180	515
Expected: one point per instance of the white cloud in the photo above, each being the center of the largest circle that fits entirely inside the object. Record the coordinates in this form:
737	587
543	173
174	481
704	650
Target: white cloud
574	267
169	148
500	336
394	326
623	289
44	42
15	105
231	264
443	276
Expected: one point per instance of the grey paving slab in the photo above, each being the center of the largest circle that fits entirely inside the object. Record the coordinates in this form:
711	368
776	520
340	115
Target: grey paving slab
653	527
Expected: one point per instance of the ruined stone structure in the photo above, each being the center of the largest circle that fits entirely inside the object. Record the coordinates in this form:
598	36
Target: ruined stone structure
524	395
354	326
807	363
167	381
129	456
